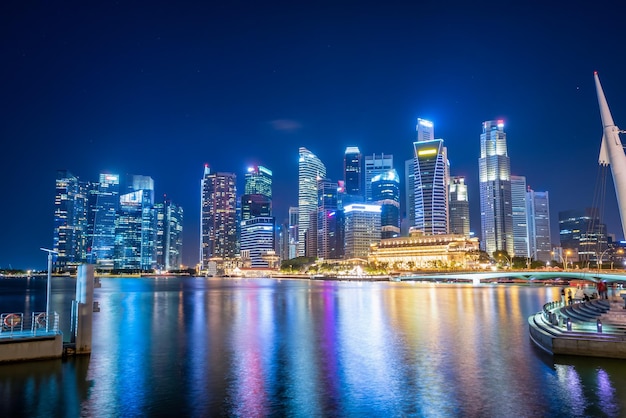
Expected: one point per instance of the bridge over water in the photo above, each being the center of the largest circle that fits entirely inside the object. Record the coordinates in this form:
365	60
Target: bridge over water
478	277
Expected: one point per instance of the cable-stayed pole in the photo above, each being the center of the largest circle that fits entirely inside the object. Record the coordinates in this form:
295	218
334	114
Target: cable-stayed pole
612	152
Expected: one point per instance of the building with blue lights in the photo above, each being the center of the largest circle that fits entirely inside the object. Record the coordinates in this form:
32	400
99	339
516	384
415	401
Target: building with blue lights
386	193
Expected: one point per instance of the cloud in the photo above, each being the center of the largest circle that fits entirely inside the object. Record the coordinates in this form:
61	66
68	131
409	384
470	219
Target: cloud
286	125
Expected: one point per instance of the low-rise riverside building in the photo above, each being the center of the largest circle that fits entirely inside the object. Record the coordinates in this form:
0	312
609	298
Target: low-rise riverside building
419	251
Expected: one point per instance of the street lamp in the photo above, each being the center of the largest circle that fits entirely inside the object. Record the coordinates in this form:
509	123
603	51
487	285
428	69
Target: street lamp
50	252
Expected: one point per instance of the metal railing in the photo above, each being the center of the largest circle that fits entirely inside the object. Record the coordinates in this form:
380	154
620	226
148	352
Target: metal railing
35	324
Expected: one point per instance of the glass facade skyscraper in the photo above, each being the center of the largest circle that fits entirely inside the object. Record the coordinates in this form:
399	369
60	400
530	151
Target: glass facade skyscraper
431	174
362	228
310	170
459	207
218	216
169	233
539	236
70	221
258	180
329	226
353	176
494	171
107	196
375	165
520	217
386	193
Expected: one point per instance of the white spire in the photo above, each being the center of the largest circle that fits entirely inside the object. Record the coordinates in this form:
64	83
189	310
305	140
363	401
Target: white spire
612	152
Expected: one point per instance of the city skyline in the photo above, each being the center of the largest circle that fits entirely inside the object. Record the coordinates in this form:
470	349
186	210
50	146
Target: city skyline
240	85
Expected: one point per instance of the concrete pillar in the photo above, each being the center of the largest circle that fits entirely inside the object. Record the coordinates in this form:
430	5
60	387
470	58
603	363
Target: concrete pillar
84	311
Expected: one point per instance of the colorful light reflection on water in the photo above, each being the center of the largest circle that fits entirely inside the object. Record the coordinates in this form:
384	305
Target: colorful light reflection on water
267	347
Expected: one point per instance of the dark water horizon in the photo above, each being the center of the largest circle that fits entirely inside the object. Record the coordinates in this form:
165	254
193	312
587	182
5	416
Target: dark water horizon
198	347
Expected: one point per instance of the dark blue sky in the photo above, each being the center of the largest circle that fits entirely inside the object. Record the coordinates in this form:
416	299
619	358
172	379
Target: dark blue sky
161	88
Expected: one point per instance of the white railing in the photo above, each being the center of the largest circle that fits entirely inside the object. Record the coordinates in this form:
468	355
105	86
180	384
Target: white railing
36	324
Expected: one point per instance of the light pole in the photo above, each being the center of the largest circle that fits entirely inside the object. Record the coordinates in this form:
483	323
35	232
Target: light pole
50	252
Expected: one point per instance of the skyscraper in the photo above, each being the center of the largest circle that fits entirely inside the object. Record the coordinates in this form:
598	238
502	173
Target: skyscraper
258	180
496	215
169	232
520	217
310	170
105	213
218	217
430	181
353	176
374	165
135	227
539	236
581	230
258	233
386	193
362	228
329	226
459	207
70	221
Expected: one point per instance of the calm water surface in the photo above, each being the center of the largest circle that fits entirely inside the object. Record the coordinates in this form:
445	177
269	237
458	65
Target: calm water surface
192	347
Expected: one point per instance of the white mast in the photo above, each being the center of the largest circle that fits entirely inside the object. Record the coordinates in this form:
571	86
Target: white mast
612	152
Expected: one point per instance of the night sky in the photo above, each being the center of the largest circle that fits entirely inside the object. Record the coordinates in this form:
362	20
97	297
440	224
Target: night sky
161	88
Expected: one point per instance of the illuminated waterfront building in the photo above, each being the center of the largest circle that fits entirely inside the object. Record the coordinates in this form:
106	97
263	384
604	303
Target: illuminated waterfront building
362	229
496	214
106	196
70	221
310	170
169	235
257	239
293	231
329	221
520	217
218	218
458	204
582	232
419	251
375	165
430	181
352	176
135	227
386	193
539	236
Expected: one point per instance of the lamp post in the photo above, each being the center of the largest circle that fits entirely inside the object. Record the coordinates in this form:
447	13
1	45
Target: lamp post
600	259
50	252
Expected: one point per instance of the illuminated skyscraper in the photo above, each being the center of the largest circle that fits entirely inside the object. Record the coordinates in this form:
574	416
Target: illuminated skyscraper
329	221
362	228
310	170
169	230
496	214
386	193
106	198
375	165
135	227
258	180
218	217
459	207
430	181
520	217
353	176
539	236
70	221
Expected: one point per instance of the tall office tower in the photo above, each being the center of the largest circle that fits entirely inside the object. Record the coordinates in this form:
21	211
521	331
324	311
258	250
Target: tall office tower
329	227
294	215
408	212
582	231
310	237
310	169
459	207
169	235
520	217
353	176
494	168
282	240
362	228
258	180
257	239
254	205
539	239
218	216
70	221
107	201
431	176
135	228
425	130
375	165
386	193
